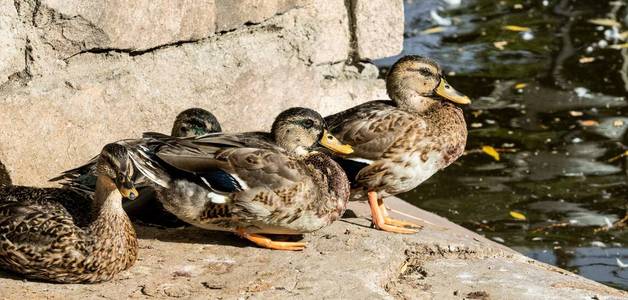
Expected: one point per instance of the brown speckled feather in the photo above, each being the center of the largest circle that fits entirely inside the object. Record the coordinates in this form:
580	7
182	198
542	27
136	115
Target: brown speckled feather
372	128
277	193
43	235
405	148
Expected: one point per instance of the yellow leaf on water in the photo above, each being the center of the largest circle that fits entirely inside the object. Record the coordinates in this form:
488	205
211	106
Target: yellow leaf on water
516	28
518	215
491	152
614	158
575	113
520	85
500	45
433	30
605	22
619	46
589	123
586	60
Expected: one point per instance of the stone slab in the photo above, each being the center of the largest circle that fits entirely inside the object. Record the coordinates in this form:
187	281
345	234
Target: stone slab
12	42
347	260
378	28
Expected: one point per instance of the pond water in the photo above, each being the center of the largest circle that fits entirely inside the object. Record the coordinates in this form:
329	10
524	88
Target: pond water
551	98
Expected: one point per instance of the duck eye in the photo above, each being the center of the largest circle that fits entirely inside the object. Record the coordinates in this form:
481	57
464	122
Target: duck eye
308	123
425	72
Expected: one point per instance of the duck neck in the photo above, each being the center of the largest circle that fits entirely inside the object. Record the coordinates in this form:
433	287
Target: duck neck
333	182
412	101
111	228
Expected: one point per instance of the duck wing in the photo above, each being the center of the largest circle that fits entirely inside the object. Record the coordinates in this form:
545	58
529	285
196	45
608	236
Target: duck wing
371	128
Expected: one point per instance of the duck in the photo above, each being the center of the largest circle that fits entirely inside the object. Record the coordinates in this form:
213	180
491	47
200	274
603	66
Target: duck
64	236
188	123
400	143
252	183
195	122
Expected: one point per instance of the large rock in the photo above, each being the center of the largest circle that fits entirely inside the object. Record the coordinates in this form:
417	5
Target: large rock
128	25
329	34
60	120
12	41
378	28
231	14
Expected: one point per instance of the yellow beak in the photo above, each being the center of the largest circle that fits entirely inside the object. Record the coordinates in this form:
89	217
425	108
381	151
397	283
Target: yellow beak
448	92
131	193
332	143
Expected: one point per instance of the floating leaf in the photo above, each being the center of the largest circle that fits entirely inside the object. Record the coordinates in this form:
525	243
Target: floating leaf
520	85
618	123
589	123
516	28
518	215
500	45
491	152
432	30
619	46
605	22
614	158
586	60
575	113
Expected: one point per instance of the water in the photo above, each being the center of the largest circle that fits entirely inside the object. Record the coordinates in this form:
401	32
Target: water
552	101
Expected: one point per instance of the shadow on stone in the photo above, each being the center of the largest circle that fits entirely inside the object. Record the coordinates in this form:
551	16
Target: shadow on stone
5	179
190	235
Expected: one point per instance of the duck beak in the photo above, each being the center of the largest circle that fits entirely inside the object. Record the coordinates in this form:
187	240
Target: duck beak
448	92
127	189
332	143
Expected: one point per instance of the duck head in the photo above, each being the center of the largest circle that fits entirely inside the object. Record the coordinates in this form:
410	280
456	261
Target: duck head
195	122
115	164
415	83
301	130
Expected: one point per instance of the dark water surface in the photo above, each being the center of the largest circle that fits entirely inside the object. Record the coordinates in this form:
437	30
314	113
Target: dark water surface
559	136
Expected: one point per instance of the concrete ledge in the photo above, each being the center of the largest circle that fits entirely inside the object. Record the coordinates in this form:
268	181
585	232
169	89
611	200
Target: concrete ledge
346	260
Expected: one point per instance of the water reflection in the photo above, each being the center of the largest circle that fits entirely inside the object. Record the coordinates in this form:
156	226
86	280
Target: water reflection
551	99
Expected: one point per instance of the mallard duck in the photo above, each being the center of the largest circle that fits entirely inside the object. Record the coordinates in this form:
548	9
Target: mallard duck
400	143
195	122
64	236
188	123
250	183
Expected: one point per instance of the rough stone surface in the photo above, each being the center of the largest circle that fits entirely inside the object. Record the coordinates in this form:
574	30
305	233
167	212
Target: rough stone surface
12	42
330	35
231	14
71	107
347	260
78	74
130	25
378	28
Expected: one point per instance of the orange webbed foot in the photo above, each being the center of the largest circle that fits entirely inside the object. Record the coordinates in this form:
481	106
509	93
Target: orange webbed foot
380	220
266	242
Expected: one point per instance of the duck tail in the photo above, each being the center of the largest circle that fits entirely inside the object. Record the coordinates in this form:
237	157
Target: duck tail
5	178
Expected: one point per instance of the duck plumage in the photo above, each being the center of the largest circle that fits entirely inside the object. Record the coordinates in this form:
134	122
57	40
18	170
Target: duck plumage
65	236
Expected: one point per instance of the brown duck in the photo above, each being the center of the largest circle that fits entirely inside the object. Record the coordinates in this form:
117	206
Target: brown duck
64	236
250	183
399	144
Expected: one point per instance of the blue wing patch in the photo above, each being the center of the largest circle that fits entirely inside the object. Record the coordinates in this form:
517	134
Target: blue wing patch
220	181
